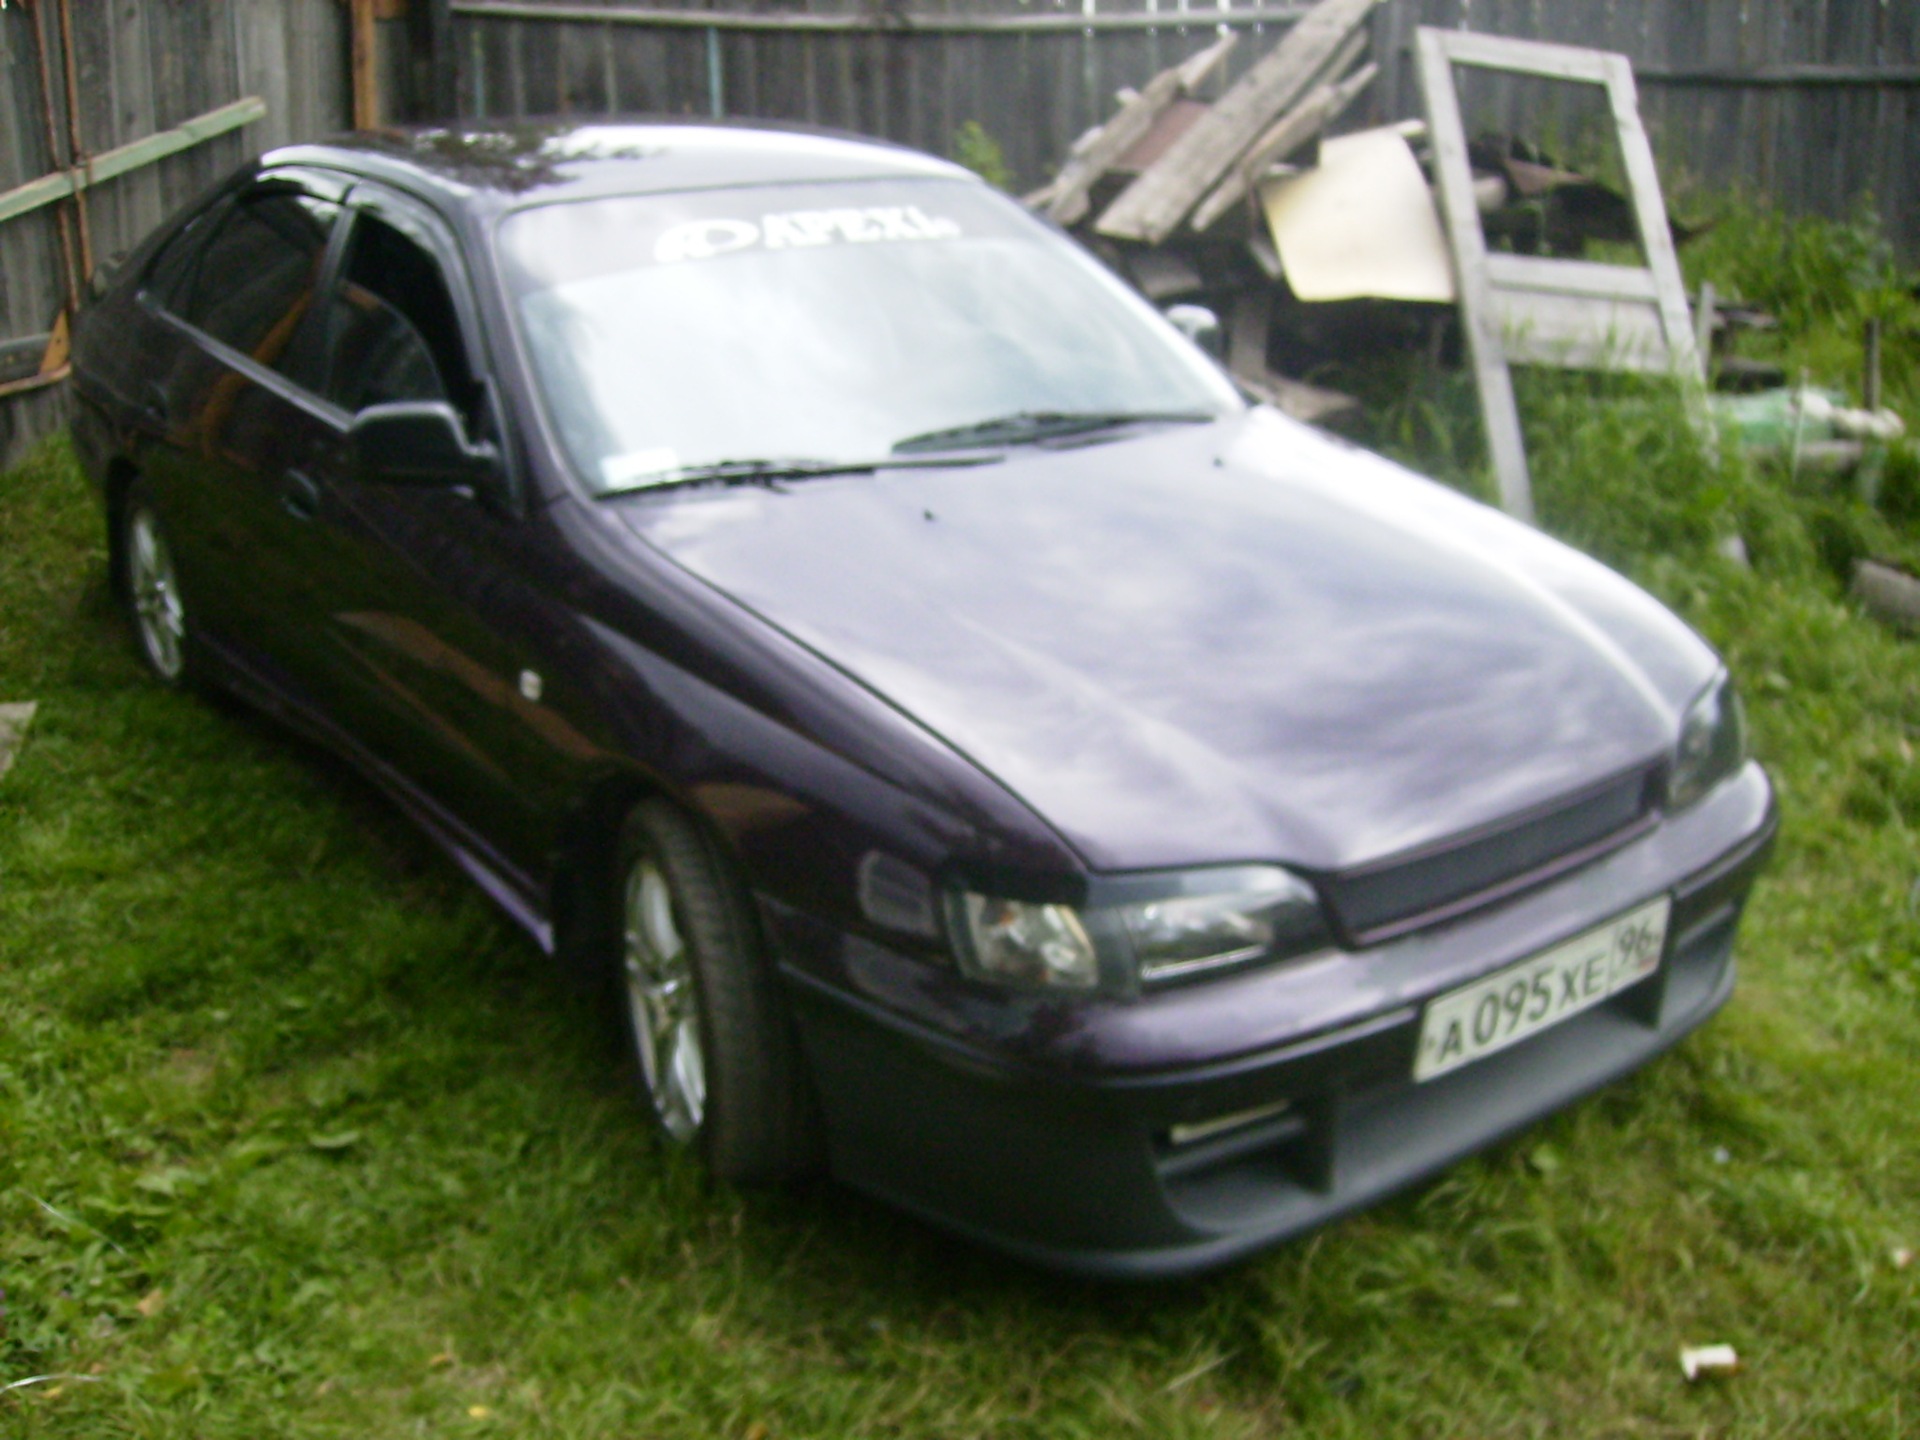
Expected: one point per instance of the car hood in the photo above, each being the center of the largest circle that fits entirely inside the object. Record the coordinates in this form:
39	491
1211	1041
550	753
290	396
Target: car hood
1200	644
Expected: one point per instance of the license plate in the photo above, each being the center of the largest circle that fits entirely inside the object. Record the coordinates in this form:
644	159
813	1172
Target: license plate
1506	1007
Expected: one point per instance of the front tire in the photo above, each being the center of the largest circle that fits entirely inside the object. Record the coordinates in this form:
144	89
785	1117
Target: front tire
154	601
710	1040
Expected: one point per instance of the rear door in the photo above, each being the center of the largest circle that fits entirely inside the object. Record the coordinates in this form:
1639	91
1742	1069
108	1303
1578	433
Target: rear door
236	396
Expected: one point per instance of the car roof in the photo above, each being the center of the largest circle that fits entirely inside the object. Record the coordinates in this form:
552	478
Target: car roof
490	166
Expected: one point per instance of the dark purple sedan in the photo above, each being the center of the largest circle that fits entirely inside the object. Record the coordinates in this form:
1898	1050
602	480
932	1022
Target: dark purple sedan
980	755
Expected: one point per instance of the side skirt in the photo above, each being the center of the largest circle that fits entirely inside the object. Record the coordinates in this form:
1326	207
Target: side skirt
512	889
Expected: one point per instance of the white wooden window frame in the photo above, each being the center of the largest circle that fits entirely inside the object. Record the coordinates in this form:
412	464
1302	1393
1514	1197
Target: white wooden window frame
1530	310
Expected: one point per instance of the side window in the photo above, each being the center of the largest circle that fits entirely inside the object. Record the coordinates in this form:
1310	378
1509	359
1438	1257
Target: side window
396	335
170	277
251	282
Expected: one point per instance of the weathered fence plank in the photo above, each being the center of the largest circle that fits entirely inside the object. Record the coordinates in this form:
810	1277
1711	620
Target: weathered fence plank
141	68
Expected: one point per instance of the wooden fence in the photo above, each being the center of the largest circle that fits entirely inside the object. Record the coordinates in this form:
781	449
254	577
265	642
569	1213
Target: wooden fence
1810	102
1814	103
139	67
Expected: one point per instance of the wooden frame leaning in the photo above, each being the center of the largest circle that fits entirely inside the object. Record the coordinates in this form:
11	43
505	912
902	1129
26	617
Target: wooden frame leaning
1530	310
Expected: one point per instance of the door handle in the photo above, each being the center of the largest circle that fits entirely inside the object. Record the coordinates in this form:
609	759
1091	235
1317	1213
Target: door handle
299	496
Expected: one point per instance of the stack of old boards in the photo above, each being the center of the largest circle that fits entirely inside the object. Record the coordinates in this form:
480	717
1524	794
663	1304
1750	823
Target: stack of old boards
1189	199
1170	173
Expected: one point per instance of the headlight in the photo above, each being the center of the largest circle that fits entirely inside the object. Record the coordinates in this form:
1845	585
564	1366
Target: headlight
1222	918
1713	744
1141	929
1025	944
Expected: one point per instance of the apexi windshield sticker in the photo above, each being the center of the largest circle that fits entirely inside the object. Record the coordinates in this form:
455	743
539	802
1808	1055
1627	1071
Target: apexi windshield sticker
801	229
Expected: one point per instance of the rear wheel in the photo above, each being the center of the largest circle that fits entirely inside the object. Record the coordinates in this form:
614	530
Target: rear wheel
154	600
711	1043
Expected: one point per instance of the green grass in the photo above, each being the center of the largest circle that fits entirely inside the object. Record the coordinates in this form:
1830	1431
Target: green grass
299	1138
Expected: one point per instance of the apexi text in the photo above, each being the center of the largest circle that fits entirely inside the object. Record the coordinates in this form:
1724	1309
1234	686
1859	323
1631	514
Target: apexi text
800	229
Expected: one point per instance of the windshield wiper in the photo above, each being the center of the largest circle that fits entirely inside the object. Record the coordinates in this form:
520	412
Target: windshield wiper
1026	426
772	471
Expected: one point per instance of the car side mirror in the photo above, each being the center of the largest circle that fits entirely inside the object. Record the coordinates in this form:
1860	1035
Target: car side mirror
417	442
1201	326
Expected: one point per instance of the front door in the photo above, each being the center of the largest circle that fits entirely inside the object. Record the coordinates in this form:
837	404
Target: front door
433	623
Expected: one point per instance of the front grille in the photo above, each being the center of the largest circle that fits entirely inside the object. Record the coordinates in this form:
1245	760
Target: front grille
1401	894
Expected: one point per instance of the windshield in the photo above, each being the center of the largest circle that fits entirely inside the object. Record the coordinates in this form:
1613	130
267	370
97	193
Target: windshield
824	323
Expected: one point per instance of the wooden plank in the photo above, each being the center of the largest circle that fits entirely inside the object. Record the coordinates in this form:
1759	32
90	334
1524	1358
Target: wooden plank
1650	218
1149	209
93	73
143	200
1066	198
49	188
1499	414
876	22
1528	57
1386	43
579	70
260	34
1792	77
1575	333
1570	277
643	72
1299	125
366	67
538	59
35	193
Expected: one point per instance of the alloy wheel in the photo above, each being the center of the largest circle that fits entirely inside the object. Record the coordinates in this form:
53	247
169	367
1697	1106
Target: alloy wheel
663	1003
159	614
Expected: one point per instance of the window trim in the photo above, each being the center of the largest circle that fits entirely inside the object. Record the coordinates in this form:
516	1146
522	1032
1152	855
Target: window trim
419	223
320	185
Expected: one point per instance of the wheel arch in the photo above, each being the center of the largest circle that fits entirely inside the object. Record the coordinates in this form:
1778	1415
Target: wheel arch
584	863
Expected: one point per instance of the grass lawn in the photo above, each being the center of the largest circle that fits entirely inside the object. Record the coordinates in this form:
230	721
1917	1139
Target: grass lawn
299	1138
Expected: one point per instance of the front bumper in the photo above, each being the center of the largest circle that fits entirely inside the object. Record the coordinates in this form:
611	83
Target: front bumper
1083	1136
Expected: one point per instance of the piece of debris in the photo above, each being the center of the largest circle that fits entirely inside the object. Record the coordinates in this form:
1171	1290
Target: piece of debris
56	1380
1360	223
1189	174
14	720
151	1304
1812	431
1065	200
1717	320
1546	208
1708	1361
1291	131
1320	46
1247	342
1888	593
1902	1257
1223	206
